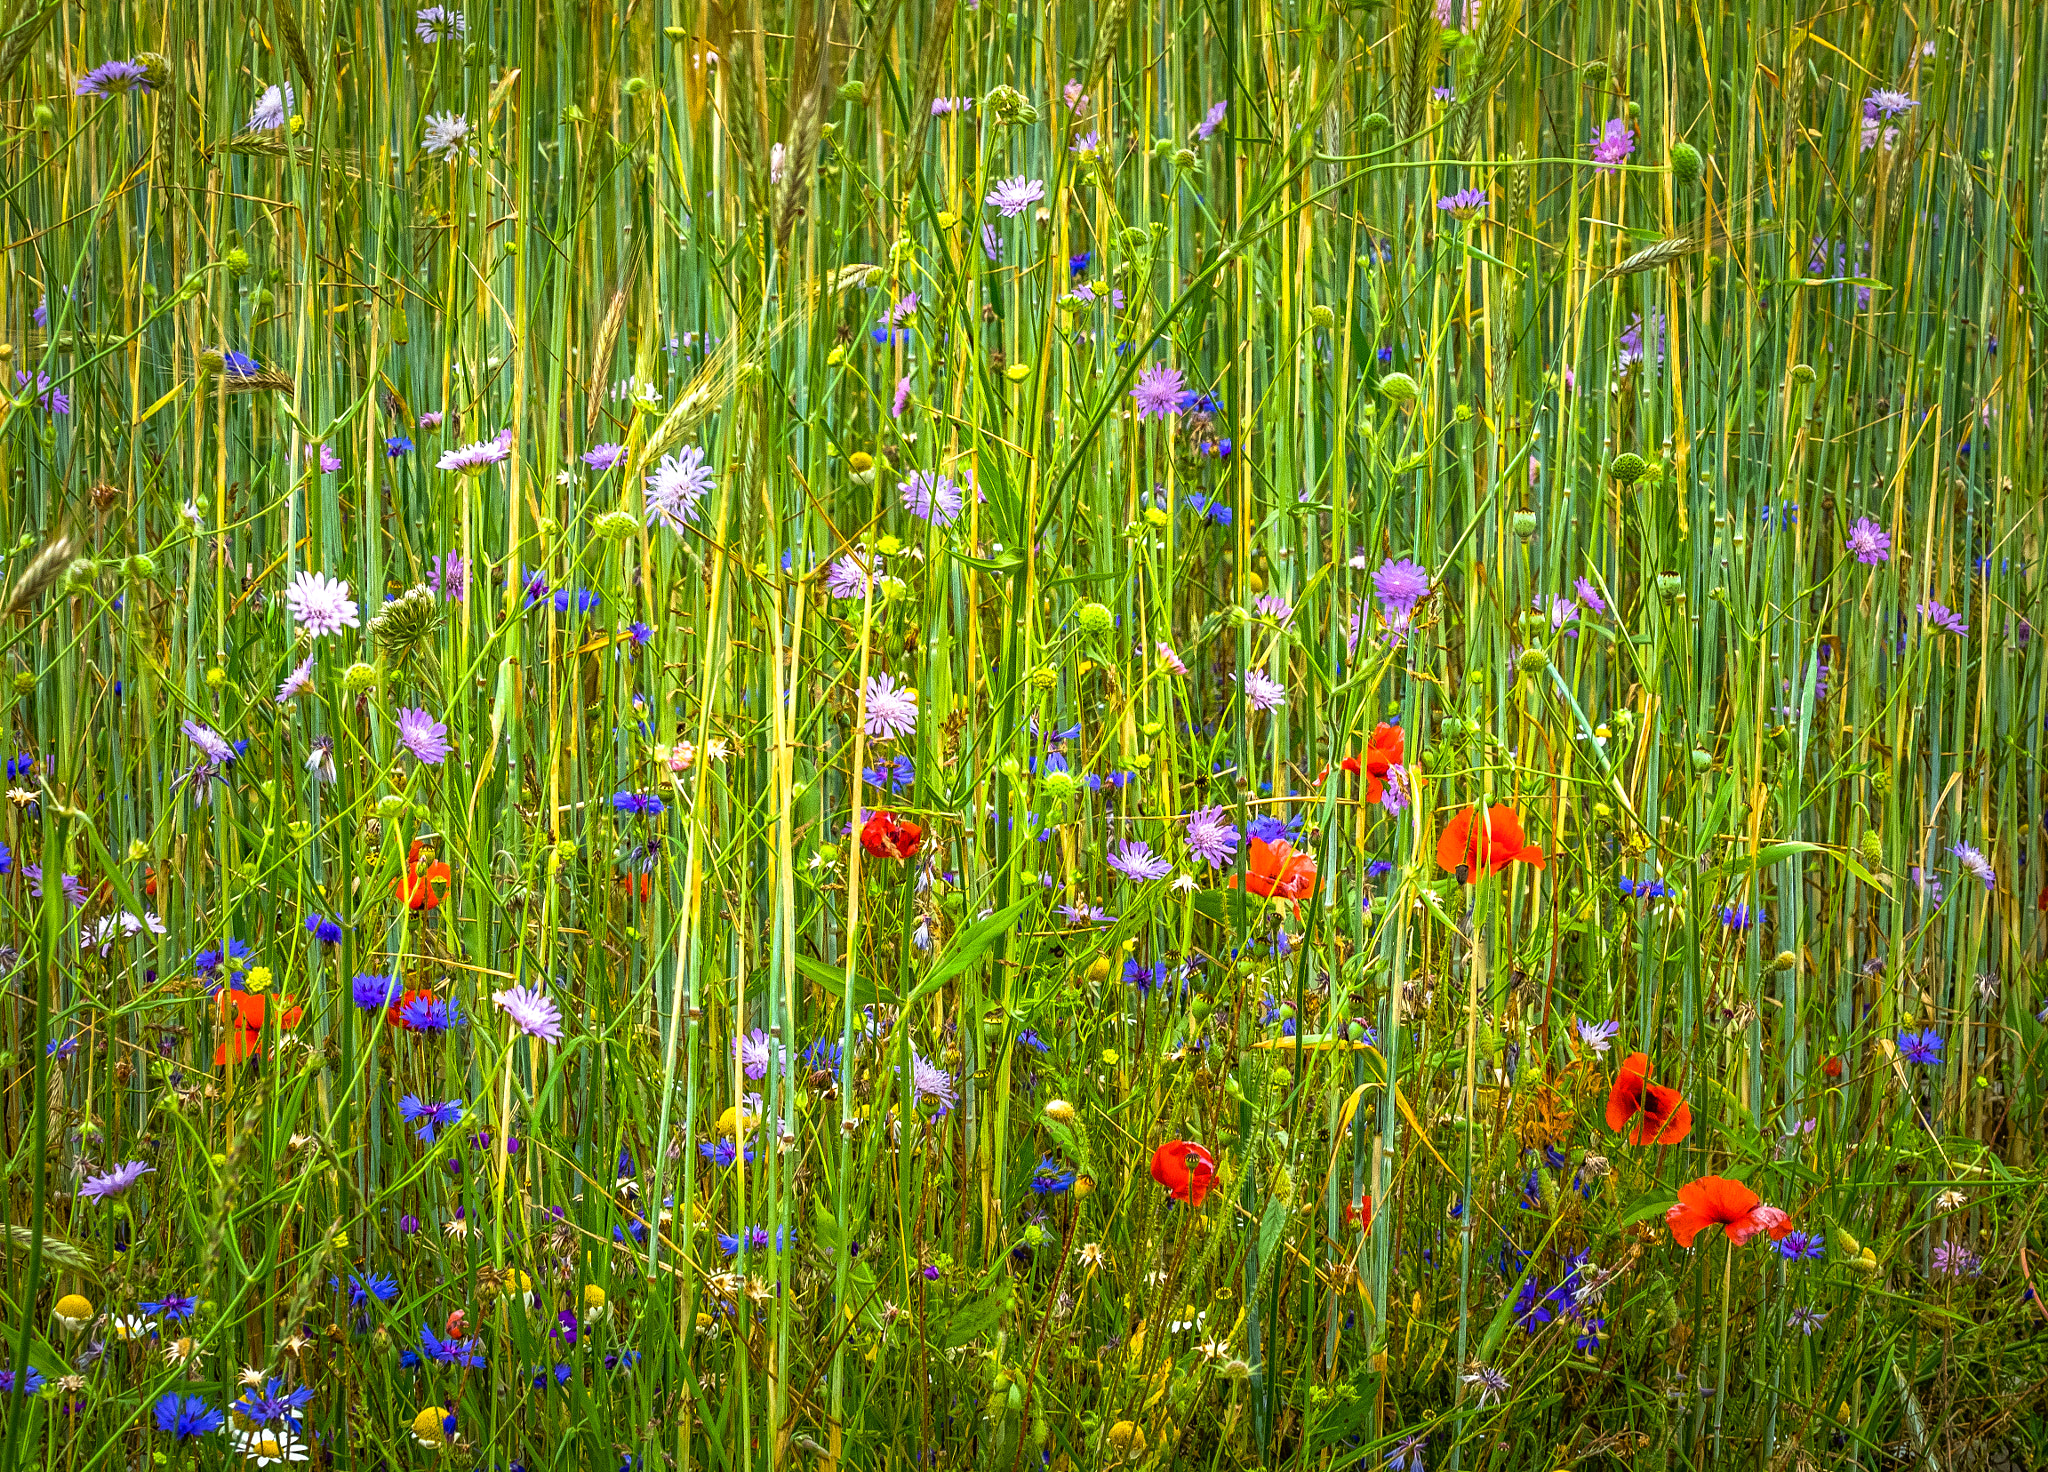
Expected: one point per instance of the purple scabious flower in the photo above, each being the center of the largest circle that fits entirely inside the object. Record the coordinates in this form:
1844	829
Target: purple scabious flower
532	1011
423	736
1884	103
757	1053
889	709
437	23
297	683
1211	120
992	245
933	498
1868	542
1262	692
375	993
1589	595
847	577
1923	1048
1613	144
113	76
1158	391
1401	584
1212	837
1011	197
900	400
445	135
1975	862
604	456
216	747
477	458
1135	860
1466	204
52	400
272	110
328	461
1943	617
1953	1260
321	605
676	486
1598	1036
115	1182
929	1081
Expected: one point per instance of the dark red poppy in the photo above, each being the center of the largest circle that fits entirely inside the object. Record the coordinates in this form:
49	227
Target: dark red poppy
1481	844
418	887
1359	1214
645	887
242	1014
1381	752
1660	1115
1278	869
1832	1066
1714	1201
887	836
1185	1169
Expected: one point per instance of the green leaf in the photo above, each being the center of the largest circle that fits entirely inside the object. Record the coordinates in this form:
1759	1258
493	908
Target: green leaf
972	1320
971	945
1271	1225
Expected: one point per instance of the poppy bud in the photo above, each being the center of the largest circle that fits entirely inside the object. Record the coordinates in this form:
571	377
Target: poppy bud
1525	524
1685	163
1627	467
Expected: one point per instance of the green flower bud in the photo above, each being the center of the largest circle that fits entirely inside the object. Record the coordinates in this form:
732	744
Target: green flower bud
853	91
1400	388
1374	121
615	526
1595	73
1685	163
1533	661
1669	584
1701	760
359	678
1096	619
1627	467
1322	316
1525	524
1803	373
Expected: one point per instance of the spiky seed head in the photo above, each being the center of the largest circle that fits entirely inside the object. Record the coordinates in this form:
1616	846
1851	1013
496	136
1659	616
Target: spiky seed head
359	678
407	621
1627	467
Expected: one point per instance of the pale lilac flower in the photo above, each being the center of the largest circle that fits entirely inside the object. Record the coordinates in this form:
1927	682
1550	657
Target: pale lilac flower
1875	132
1974	861
1599	1036
1953	1260
757	1053
1394	790
446	134
116	1181
933	498
1589	595
1806	1319
1466	204
328	461
1158	391
215	747
1087	144
1212	837
272	110
604	456
1883	102
297	683
53	400
1262	692
1401	584
929	1081
532	1011
431	419
847	577
901	401
992	245
1170	660
320	604
1011	197
946	106
1274	607
1868	542
902	310
477	458
1135	860
1562	611
1613	144
423	736
1211	120
677	485
1943	617
113	76
891	709
437	23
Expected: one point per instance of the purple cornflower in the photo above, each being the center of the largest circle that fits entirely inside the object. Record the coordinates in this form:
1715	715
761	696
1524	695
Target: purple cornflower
1211	120
532	1011
604	456
429	1014
1135	860
53	400
1262	692
1943	617
1158	391
1212	837
187	1417
116	1181
322	929
933	498
423	736
1953	1260
1975	862
1802	1247
1011	197
890	709
1466	204
1868	542
1923	1048
1612	144
113	76
1806	1319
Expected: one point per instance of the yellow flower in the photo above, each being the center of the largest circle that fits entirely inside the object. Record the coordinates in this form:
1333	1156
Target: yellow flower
259	979
1126	1440
74	1312
430	1426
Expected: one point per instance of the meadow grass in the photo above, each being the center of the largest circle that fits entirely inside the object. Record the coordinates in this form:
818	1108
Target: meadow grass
1527	515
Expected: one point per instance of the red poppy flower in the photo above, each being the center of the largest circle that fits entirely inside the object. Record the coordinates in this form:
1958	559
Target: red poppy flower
1359	1215
149	882
1832	1067
1278	869
887	836
242	1014
1661	1115
1185	1169
645	886
1382	752
1713	1201
417	888
417	994
1481	844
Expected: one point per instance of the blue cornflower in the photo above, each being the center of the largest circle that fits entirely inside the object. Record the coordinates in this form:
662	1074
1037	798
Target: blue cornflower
21	1382
380	1286
725	1152
430	1014
373	993
1590	1330
450	1351
429	1116
6	859
273	1403
61	1048
240	365
1212	507
172	1308
1029	1038
638	804
1268	829
184	1417
1144	977
322	929
397	445
1078	265
1798	1246
1052	1178
1738	917
1923	1048
1407	1455
1378	869
639	633
896	774
1643	889
21	767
